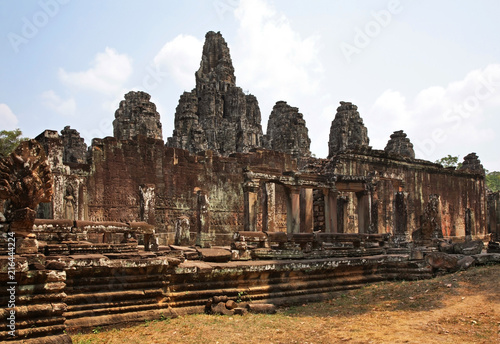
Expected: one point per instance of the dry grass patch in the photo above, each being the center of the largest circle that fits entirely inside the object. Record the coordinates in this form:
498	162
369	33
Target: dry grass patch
456	308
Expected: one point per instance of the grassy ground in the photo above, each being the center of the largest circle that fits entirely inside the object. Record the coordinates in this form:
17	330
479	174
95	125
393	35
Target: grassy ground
463	307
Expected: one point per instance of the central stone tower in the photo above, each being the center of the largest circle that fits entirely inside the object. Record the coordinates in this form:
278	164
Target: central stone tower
216	115
137	115
347	131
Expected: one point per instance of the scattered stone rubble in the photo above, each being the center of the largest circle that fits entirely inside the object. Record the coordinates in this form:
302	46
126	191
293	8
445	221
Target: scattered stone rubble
223	305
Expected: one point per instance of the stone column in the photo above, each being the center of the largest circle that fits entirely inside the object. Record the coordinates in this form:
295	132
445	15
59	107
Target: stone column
306	210
250	190
269	207
147	203
363	211
469	224
293	210
374	210
342	214
401	217
494	215
182	231
203	218
330	211
83	209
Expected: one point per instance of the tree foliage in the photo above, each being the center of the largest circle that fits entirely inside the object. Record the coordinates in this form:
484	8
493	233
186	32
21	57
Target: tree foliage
9	140
492	178
449	161
493	181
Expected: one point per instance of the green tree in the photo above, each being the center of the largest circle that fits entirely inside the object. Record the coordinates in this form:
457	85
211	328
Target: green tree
9	140
493	181
449	161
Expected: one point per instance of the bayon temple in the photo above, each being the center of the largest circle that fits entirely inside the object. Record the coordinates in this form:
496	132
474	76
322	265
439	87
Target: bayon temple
134	227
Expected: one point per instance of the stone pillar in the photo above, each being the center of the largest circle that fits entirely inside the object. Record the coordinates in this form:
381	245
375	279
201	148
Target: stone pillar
70	203
269	207
147	203
83	209
293	210
203	220
182	229
401	217
342	214
250	190
363	212
330	211
468	223
306	211
494	215
431	227
374	210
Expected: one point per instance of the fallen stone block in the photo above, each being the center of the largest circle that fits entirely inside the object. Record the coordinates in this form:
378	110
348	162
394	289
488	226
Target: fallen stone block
191	255
36	266
487	258
493	247
466	262
446	247
240	311
441	260
55	265
230	304
217	255
469	248
220	308
265	308
243	304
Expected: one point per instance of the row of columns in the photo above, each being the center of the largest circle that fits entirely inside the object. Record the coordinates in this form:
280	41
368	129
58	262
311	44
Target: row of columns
300	208
300	212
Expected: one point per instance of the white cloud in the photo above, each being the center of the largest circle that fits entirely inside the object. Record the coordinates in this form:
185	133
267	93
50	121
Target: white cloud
181	58
388	114
272	58
455	119
7	118
65	107
108	73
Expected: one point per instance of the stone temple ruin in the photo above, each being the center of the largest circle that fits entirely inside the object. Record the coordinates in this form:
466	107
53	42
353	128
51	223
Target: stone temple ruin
132	228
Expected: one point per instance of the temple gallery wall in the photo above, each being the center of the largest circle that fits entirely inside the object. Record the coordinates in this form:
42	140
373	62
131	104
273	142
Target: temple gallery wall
135	227
218	165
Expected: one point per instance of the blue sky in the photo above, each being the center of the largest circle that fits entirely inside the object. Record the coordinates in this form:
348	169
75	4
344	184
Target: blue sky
431	68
